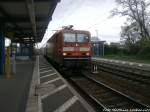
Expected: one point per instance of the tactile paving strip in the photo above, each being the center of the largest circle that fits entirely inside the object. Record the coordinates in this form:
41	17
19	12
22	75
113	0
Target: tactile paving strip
55	96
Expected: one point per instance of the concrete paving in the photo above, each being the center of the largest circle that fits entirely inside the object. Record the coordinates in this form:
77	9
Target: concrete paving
54	93
14	92
125	63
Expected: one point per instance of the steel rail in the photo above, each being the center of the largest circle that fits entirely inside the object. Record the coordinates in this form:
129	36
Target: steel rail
118	92
125	74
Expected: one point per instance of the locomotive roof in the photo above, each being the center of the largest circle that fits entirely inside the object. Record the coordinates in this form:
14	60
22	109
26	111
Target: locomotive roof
75	31
69	30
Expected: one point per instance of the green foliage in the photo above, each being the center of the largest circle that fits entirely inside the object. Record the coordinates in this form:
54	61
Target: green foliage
132	58
135	34
112	49
139	50
144	51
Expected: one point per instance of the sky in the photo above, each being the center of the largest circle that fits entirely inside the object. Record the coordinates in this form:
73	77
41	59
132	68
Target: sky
91	15
7	42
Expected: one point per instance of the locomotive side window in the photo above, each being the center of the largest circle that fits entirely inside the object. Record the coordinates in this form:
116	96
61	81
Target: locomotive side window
69	37
82	38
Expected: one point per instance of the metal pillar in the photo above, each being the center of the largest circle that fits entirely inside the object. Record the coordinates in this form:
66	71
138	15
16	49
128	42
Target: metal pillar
22	49
11	48
103	49
14	57
30	51
2	48
7	64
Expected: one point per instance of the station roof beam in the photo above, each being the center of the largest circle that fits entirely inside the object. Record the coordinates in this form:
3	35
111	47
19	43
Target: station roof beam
26	18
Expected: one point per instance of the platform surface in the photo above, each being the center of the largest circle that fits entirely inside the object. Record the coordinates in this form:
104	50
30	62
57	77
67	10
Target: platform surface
127	63
54	93
14	92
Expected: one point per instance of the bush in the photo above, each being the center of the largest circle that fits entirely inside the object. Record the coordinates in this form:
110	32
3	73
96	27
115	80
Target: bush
144	52
109	50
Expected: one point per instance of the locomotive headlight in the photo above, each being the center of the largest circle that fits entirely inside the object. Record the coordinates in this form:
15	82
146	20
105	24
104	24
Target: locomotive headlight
64	54
87	54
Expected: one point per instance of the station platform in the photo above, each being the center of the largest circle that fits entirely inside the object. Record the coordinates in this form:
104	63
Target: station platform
14	91
126	63
50	92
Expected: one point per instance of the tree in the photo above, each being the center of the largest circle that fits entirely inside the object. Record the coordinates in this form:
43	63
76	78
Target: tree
130	37
130	33
136	11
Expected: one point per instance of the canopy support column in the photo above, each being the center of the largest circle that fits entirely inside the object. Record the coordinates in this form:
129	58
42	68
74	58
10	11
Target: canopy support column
2	48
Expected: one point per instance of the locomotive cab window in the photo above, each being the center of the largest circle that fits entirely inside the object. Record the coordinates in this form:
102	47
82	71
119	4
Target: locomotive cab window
82	38
69	37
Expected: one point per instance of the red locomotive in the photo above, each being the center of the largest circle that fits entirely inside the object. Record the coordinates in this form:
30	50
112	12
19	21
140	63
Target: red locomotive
70	48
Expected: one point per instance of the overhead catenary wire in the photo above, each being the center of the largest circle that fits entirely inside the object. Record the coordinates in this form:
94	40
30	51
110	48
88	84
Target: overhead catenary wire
97	23
71	12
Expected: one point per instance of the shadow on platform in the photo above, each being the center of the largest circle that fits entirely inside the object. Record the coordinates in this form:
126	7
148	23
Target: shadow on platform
14	92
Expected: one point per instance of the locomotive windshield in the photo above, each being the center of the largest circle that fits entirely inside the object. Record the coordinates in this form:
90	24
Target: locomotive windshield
69	37
82	38
78	37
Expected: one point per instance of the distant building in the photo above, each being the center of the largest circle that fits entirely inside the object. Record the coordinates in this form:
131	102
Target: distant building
93	39
117	44
97	46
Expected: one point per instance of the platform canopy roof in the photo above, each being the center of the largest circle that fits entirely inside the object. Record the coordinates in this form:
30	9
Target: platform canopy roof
25	21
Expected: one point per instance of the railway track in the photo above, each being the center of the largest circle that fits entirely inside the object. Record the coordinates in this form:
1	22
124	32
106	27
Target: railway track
138	75
127	65
109	98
